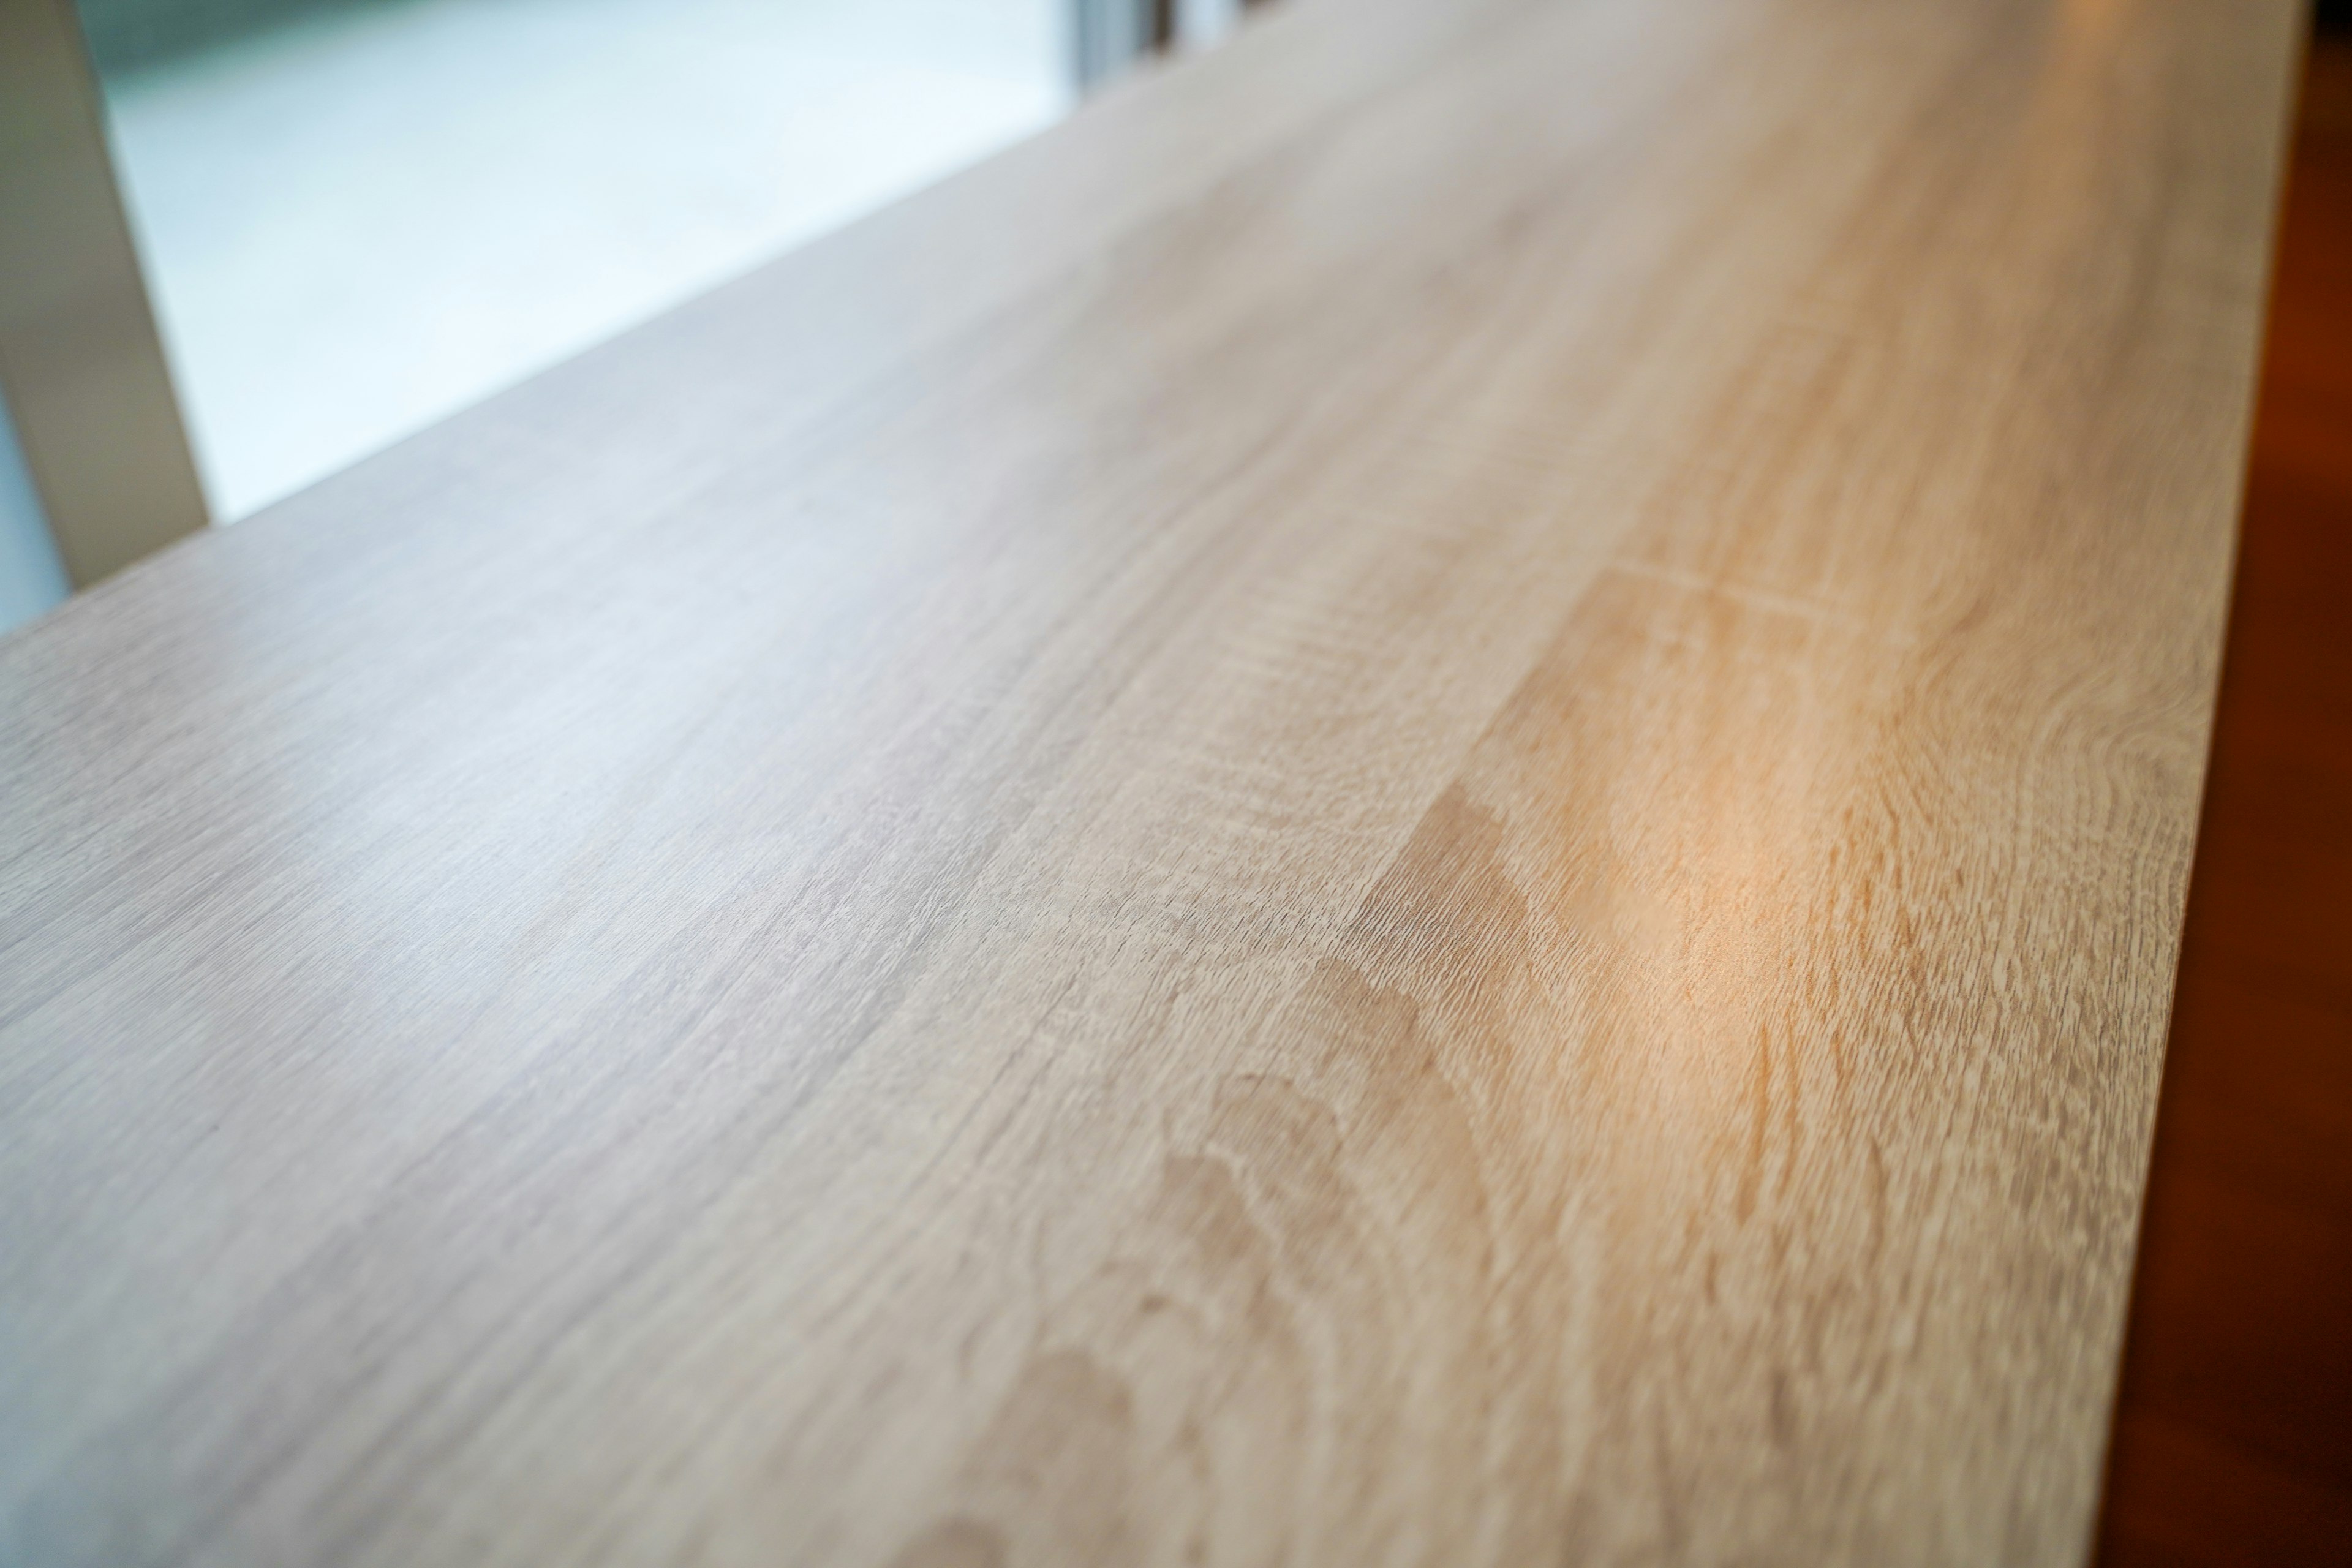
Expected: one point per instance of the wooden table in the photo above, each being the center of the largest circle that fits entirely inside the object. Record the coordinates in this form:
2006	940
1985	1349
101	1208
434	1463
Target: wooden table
1423	800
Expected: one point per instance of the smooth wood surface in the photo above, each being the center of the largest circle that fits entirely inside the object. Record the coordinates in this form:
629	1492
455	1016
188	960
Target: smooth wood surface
2234	1432
1423	800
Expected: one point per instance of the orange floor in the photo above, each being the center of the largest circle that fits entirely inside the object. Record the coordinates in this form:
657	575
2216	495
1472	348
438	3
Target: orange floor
2233	1436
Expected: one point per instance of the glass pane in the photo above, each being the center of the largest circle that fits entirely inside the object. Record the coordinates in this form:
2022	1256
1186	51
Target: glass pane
357	218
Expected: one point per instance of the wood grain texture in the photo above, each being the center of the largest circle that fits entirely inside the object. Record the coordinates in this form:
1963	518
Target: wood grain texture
2232	1443
1423	800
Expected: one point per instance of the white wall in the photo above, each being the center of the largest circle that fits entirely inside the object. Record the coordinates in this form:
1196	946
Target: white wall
357	224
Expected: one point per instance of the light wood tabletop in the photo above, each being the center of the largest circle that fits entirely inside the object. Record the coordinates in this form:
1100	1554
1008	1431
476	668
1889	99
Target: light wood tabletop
1424	799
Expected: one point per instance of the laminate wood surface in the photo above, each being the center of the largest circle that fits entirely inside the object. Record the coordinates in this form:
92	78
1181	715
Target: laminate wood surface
1423	800
2232	1443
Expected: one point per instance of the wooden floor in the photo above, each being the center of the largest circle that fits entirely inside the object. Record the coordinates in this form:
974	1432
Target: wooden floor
2234	1444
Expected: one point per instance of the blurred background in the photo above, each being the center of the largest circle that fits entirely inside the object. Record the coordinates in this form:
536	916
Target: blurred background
353	218
399	207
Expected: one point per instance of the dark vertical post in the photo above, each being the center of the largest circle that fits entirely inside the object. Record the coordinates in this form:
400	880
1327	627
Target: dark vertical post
1112	34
